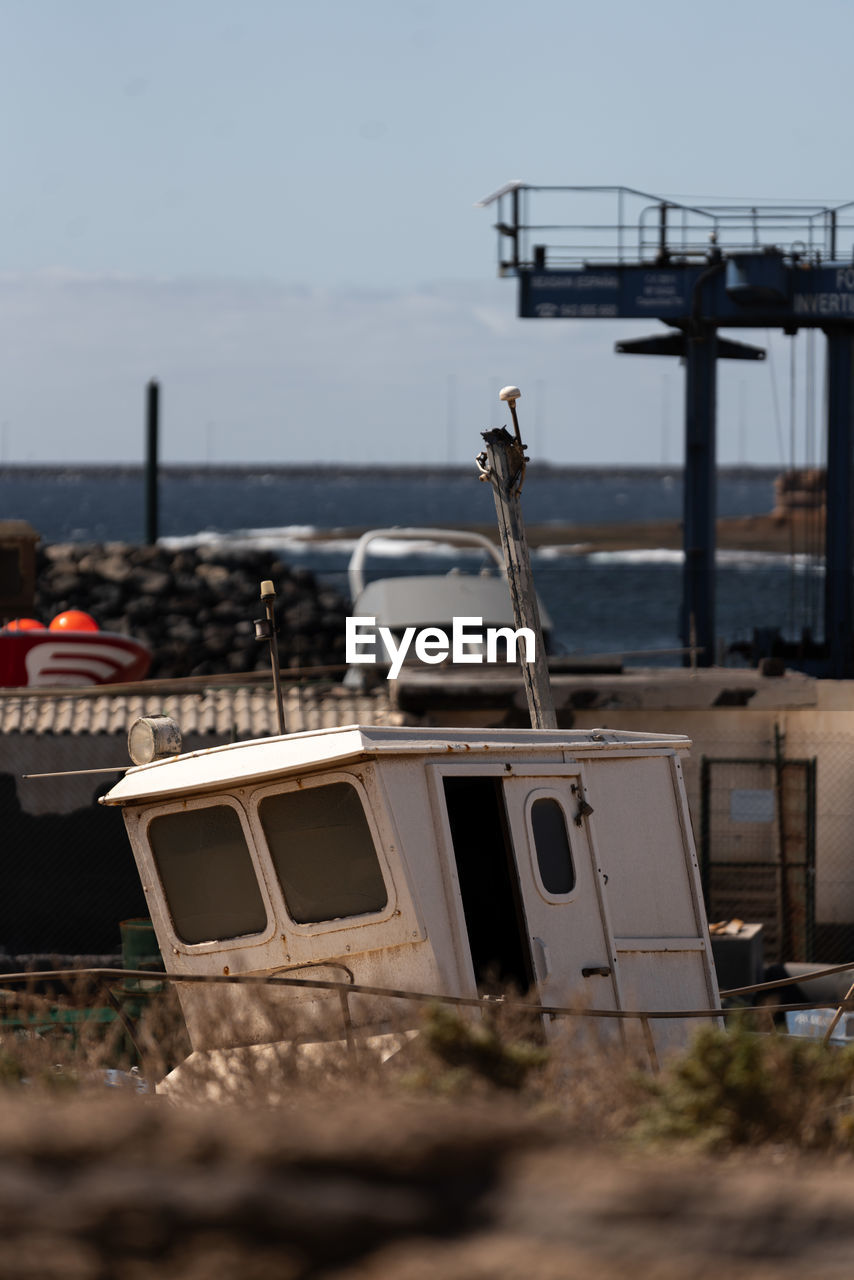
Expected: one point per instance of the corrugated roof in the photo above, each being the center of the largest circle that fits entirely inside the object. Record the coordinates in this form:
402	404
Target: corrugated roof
234	711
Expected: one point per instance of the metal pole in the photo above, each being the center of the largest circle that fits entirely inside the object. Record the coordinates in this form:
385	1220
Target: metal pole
503	465
268	631
663	253
699	510
839	535
152	418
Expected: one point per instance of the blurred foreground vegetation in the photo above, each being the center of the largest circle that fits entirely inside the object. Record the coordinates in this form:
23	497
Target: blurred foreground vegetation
452	1146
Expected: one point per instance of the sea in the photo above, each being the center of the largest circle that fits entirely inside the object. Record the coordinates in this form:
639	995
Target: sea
605	602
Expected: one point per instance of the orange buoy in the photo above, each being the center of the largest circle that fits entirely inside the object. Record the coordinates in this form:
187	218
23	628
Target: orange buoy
25	624
73	620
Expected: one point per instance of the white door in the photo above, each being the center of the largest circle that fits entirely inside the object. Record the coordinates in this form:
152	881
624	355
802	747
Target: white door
566	921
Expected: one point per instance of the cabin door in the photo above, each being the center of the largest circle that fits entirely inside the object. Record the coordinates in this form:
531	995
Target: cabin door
567	924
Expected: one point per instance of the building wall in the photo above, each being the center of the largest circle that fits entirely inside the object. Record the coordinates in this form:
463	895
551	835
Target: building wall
827	734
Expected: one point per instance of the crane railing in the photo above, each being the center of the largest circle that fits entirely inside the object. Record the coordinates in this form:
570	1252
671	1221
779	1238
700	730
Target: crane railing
564	227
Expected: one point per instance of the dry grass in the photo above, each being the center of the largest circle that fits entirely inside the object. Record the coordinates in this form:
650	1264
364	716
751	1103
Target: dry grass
731	1088
66	1034
476	1149
591	1072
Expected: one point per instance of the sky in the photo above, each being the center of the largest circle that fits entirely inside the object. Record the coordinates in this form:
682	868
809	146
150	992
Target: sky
269	206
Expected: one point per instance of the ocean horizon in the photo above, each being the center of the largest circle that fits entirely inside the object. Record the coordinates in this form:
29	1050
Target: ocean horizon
601	601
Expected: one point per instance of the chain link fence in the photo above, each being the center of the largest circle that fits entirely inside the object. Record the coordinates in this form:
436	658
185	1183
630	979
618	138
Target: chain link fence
775	834
757	849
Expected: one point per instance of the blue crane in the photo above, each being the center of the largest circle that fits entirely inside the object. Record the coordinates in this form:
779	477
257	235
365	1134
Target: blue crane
700	269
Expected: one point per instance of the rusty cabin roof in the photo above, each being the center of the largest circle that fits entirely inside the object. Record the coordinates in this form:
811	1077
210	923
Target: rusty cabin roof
240	763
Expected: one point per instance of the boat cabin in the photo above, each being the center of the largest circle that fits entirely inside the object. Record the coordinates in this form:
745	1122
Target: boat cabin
446	861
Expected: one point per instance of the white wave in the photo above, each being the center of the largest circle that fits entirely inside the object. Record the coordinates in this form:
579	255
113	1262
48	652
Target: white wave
301	538
559	550
319	541
263	539
747	560
645	555
724	559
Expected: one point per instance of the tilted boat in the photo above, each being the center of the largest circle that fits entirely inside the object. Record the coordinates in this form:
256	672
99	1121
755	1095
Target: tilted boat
554	862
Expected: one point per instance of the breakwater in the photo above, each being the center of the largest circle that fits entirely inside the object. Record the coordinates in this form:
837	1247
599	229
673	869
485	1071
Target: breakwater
193	607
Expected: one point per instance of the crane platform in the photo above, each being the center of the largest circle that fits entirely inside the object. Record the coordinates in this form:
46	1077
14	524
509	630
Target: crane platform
588	253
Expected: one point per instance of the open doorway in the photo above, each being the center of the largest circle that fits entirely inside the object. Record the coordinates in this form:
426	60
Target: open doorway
489	883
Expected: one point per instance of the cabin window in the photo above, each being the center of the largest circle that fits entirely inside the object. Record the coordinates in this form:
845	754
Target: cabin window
207	874
323	853
551	843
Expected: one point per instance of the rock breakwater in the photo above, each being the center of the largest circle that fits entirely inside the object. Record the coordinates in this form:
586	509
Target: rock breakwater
193	607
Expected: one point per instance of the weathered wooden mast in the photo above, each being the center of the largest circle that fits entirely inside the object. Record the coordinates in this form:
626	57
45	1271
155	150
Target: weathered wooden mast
503	464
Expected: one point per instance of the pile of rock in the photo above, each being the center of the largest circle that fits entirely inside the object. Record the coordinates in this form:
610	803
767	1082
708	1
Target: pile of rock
800	489
195	607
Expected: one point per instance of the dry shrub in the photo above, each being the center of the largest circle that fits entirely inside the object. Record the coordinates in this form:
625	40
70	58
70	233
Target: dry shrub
463	1051
593	1080
735	1087
578	1071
